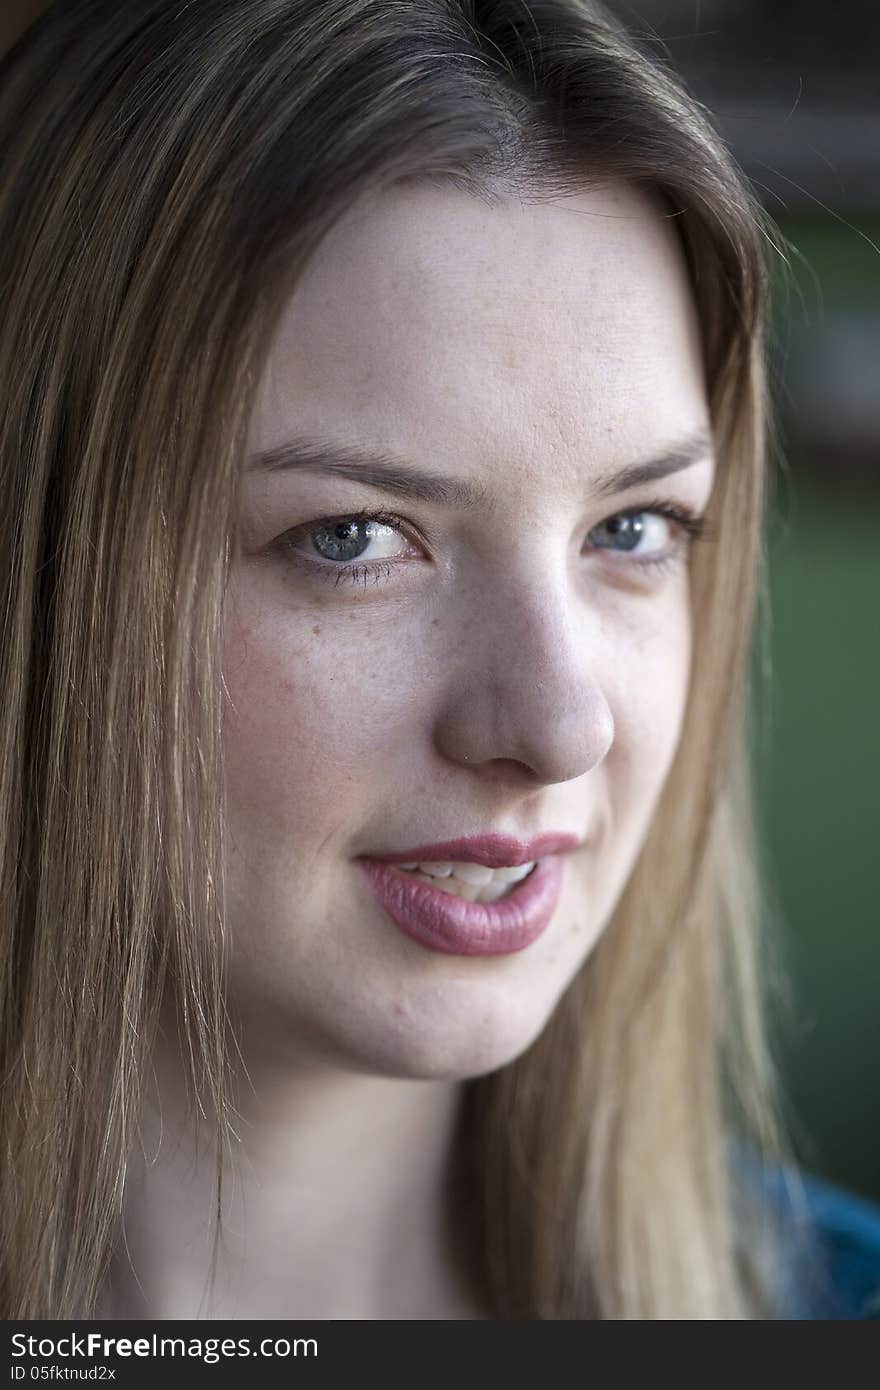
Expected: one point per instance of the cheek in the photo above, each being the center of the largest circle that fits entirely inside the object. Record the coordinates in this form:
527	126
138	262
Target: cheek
312	712
650	696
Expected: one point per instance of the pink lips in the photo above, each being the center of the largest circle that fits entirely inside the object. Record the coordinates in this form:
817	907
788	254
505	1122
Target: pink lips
443	922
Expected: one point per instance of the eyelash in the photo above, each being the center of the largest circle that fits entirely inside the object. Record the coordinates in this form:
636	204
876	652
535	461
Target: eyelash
694	527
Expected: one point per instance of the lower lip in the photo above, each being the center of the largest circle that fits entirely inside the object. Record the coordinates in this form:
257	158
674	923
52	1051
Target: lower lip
443	922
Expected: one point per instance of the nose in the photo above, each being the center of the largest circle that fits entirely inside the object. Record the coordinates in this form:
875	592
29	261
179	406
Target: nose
524	695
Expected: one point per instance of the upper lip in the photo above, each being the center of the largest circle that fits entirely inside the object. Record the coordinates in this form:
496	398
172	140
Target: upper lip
495	851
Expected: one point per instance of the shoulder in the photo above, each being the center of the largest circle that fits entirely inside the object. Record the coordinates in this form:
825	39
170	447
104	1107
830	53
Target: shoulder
830	1239
846	1228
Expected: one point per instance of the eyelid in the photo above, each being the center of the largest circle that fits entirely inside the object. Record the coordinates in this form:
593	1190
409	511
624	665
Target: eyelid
678	511
694	526
360	514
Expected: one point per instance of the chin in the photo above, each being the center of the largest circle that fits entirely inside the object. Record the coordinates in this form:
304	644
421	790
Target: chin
454	1045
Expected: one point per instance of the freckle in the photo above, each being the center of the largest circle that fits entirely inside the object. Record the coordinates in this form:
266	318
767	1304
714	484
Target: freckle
316	629
434	622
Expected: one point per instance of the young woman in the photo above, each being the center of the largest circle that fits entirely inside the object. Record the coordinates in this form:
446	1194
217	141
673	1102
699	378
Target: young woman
382	476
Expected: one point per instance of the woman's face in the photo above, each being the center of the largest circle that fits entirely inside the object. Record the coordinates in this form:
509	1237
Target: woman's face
515	664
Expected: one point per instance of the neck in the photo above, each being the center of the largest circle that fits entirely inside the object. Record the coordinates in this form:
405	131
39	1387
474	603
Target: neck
336	1202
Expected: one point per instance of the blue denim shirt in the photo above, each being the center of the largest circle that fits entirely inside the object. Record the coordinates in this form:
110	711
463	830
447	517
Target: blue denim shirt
832	1267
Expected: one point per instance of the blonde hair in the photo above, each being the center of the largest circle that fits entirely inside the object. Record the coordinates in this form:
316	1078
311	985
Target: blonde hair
166	172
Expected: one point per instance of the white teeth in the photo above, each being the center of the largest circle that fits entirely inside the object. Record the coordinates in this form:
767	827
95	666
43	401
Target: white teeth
455	887
470	891
478	874
475	882
513	875
443	885
493	891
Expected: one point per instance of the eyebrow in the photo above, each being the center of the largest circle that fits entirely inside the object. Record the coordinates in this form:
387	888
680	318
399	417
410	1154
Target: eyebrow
387	471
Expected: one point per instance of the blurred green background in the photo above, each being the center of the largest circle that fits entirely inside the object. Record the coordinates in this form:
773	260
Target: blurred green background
817	763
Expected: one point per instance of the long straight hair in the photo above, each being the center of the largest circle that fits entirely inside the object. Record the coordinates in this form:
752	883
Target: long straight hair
165	172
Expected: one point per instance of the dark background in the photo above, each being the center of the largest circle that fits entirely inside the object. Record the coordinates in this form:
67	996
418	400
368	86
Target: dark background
795	89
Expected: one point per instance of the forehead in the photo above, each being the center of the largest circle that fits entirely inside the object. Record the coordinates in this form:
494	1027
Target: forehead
430	320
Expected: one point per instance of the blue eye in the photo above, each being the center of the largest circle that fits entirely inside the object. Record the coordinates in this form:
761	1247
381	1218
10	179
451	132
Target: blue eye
345	538
629	526
340	541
